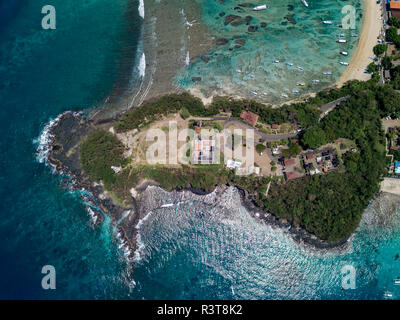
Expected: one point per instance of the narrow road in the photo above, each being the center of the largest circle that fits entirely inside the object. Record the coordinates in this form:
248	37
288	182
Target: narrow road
265	136
332	105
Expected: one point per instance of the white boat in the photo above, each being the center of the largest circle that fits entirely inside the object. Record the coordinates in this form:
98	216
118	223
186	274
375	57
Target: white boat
341	35
238	71
344	53
284	95
341	41
259	8
305	3
327	73
300	68
253	93
276	61
344	63
295	91
289	64
315	81
388	295
396	281
327	22
354	35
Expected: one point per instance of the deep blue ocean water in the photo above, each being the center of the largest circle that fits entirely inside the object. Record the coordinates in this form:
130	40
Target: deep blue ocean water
191	250
42	74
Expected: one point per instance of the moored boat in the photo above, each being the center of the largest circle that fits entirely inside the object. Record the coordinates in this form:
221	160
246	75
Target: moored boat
259	8
341	41
344	53
344	63
305	3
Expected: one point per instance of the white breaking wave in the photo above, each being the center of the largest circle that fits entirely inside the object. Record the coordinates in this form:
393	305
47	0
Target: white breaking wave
45	140
187	60
139	243
142	65
141	8
93	216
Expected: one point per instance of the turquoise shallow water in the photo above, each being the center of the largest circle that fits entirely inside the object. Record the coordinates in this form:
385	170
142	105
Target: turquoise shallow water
191	251
293	34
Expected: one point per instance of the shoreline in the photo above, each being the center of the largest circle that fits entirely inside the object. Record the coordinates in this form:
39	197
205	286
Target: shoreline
370	31
368	38
63	156
128	226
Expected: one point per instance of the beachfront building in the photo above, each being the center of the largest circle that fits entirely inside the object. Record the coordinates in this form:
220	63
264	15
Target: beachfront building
203	150
231	164
249	117
395	8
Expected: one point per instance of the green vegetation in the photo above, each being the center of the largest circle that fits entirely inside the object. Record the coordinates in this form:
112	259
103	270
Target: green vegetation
266	113
373	67
185	113
386	63
395	22
331	205
294	150
188	105
98	153
393	36
260	148
314	137
380	49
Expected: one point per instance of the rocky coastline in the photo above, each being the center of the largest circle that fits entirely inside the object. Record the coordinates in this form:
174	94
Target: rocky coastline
64	137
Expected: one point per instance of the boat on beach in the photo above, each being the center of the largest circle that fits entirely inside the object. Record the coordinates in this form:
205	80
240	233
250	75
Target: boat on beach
305	3
259	8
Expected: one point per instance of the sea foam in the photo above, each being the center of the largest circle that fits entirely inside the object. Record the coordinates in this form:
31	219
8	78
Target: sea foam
141	8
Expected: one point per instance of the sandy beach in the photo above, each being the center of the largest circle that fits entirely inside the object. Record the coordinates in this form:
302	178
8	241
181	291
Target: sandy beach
372	26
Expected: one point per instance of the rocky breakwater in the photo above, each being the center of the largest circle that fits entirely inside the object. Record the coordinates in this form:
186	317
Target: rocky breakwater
66	135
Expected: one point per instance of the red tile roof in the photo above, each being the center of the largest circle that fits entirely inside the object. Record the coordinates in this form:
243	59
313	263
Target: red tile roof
310	156
290	162
249	117
394	4
291	175
274	126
